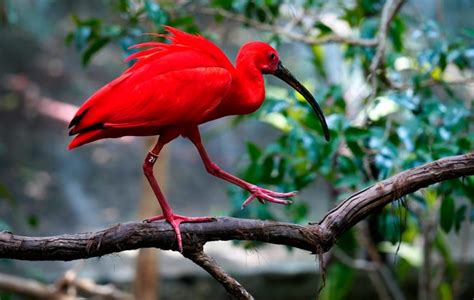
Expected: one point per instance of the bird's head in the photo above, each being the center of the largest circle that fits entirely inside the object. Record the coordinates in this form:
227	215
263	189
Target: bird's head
261	54
267	60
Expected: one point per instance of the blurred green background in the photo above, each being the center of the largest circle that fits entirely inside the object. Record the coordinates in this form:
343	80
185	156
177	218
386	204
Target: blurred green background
417	108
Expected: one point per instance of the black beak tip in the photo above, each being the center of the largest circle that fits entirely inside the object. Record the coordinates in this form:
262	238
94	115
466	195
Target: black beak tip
327	137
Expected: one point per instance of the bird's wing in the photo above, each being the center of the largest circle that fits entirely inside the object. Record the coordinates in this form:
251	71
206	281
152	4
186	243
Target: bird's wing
179	41
170	84
184	96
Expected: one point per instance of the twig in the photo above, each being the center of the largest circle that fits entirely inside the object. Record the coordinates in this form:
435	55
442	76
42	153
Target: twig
465	238
26	287
107	291
383	273
389	11
234	288
354	263
428	227
284	31
36	290
428	83
363	237
65	283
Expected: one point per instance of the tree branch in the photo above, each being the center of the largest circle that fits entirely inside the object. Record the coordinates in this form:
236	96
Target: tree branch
363	203
36	290
389	11
316	237
284	31
197	255
427	83
26	287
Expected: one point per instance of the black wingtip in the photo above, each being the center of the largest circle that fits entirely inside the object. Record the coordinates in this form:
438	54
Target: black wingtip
86	129
74	121
77	119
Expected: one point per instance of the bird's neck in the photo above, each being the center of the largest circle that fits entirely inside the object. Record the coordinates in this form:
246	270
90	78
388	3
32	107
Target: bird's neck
250	85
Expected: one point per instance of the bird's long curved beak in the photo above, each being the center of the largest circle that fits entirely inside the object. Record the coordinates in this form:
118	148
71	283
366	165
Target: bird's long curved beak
287	77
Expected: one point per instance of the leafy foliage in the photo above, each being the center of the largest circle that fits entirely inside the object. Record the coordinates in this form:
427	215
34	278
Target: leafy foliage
137	18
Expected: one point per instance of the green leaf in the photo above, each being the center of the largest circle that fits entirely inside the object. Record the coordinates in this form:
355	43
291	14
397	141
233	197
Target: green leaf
325	30
469	32
348	243
261	15
92	49
5	194
445	291
33	221
155	13
225	4
355	148
339	281
369	27
267	169
356	134
318	59
69	38
442	63
447	213
254	151
81	36
460	217
185	22
112	31
122	5
444	249
397	29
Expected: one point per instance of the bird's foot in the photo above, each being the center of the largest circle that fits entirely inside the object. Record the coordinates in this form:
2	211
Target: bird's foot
263	195
176	220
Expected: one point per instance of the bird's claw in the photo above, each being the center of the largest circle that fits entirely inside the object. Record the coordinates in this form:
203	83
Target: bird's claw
175	221
263	195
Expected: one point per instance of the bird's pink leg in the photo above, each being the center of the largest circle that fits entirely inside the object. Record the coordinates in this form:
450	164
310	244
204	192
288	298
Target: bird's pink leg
258	193
168	215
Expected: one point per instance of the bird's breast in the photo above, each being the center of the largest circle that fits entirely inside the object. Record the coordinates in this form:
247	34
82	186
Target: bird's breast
239	103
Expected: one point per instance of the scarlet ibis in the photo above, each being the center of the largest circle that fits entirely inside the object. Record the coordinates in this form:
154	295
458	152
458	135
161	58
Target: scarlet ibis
174	87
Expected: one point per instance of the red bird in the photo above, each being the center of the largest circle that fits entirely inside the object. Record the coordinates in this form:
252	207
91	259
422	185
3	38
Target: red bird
173	88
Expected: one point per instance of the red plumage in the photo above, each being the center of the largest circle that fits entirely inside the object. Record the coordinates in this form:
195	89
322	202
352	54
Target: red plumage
155	91
170	90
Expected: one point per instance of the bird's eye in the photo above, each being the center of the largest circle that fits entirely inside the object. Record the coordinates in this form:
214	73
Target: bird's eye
272	56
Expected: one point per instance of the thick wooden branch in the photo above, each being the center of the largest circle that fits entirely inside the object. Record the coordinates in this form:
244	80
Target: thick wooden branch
317	238
361	204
